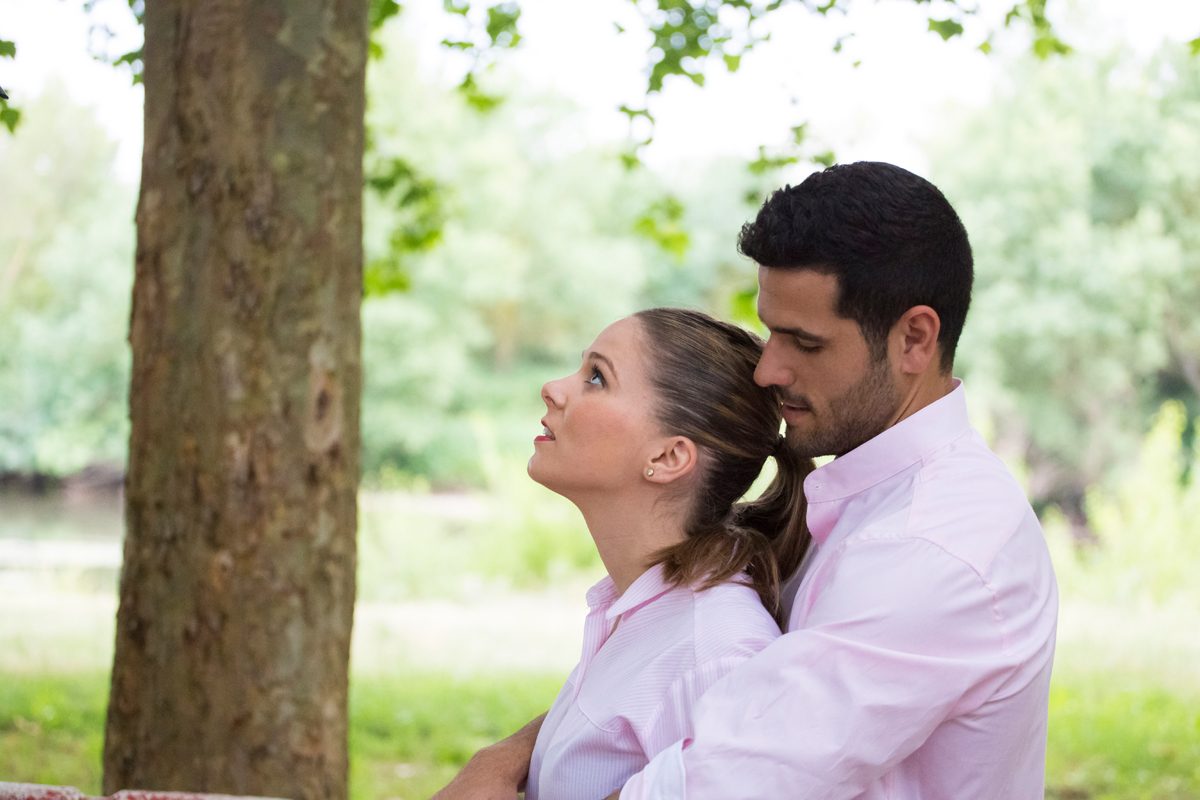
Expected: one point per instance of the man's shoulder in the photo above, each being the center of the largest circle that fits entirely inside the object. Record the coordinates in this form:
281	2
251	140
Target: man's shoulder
966	501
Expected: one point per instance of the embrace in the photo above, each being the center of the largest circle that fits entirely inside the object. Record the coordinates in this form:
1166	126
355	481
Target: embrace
881	626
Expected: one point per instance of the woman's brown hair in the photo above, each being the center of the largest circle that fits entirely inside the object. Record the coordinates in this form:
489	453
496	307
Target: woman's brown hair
702	370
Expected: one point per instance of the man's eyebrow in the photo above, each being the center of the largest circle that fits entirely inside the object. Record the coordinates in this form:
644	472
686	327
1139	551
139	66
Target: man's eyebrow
600	357
798	333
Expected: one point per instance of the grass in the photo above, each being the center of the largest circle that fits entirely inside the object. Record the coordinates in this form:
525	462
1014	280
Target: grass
1111	736
409	733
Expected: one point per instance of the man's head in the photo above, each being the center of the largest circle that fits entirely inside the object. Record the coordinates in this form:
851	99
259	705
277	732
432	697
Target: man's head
865	279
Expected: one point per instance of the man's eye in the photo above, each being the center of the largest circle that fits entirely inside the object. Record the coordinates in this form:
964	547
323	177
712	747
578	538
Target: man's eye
807	348
595	378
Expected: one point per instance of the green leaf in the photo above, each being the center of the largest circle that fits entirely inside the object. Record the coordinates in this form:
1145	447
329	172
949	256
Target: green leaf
1047	44
457	44
502	24
946	28
9	117
382	277
662	223
460	7
742	305
8	49
767	162
825	159
1194	44
477	98
732	62
634	113
381	11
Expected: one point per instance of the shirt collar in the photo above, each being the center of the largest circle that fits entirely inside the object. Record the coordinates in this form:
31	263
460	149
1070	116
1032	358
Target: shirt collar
649	586
894	450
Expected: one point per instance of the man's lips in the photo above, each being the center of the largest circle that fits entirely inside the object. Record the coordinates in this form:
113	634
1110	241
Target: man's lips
793	411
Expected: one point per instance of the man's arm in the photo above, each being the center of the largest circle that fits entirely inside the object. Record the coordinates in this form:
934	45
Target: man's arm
827	709
498	771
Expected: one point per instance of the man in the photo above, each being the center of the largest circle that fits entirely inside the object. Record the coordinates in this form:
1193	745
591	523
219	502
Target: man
916	662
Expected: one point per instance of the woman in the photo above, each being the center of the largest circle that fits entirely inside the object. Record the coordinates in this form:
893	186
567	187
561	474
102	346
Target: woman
655	439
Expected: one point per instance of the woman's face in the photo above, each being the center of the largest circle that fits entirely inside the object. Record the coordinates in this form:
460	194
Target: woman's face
599	429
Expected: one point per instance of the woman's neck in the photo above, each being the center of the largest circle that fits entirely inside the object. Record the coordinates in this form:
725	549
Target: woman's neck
629	530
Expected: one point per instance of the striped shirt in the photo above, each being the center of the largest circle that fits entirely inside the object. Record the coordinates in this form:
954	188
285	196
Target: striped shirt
648	654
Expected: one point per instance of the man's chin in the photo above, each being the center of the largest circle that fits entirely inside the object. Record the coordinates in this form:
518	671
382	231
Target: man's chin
805	444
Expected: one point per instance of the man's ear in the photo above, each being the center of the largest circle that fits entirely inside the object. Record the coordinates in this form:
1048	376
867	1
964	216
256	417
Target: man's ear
915	339
674	458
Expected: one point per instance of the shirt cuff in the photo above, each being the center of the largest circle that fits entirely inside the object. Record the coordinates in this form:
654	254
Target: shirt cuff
662	779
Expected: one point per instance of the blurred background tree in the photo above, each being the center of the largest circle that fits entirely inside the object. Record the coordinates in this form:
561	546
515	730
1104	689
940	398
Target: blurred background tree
66	246
1080	188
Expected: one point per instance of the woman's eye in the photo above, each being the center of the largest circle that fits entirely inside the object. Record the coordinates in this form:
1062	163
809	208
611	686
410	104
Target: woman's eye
595	378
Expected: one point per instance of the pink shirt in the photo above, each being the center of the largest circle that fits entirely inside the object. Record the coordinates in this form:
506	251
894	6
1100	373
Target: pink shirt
917	660
634	689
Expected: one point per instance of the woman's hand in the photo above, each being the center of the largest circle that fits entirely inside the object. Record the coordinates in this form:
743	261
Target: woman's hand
498	771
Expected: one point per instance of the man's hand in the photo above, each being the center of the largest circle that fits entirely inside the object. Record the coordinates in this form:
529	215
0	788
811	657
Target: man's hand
496	772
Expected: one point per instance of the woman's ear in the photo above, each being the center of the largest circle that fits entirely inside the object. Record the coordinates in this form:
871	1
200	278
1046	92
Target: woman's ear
673	459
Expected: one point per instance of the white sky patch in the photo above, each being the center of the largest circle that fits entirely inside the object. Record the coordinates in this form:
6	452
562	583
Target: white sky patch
884	108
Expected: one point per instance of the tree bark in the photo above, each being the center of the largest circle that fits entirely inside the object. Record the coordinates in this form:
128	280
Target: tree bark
237	592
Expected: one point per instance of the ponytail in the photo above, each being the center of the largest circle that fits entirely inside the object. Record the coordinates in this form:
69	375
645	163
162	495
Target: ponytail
778	516
766	539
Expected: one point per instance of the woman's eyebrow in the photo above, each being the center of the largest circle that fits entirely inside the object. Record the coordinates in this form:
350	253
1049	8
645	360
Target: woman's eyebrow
600	357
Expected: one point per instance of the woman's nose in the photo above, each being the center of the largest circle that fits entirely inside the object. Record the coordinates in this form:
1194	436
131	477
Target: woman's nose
552	393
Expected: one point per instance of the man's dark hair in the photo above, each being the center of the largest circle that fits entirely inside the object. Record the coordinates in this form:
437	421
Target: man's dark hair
890	237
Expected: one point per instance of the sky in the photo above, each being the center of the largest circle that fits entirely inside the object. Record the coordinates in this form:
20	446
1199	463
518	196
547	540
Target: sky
883	109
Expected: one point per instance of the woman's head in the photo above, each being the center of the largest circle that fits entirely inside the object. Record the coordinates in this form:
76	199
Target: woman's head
668	397
600	432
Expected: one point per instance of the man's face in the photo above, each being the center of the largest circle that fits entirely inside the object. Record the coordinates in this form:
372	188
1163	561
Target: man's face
835	395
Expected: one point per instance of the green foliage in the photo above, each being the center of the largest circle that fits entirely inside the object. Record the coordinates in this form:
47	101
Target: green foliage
538	248
661	223
416	227
946	28
9	117
1149	523
135	58
1083	203
535	536
67	238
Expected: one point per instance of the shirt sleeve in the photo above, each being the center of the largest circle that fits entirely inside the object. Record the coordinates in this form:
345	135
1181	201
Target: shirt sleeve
673	719
902	636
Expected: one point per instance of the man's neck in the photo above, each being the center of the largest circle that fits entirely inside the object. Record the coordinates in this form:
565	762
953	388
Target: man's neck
923	392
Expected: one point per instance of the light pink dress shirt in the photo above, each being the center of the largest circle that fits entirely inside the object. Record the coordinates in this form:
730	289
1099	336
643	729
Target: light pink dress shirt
917	660
634	689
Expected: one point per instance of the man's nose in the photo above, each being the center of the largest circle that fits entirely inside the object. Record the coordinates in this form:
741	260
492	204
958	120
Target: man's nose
771	369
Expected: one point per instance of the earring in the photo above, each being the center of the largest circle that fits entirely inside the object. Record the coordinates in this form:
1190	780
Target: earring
649	472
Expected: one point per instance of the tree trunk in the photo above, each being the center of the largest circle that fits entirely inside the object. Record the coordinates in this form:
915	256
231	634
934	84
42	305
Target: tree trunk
237	591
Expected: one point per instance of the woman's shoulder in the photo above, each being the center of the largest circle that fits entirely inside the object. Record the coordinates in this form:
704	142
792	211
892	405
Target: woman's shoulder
730	621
